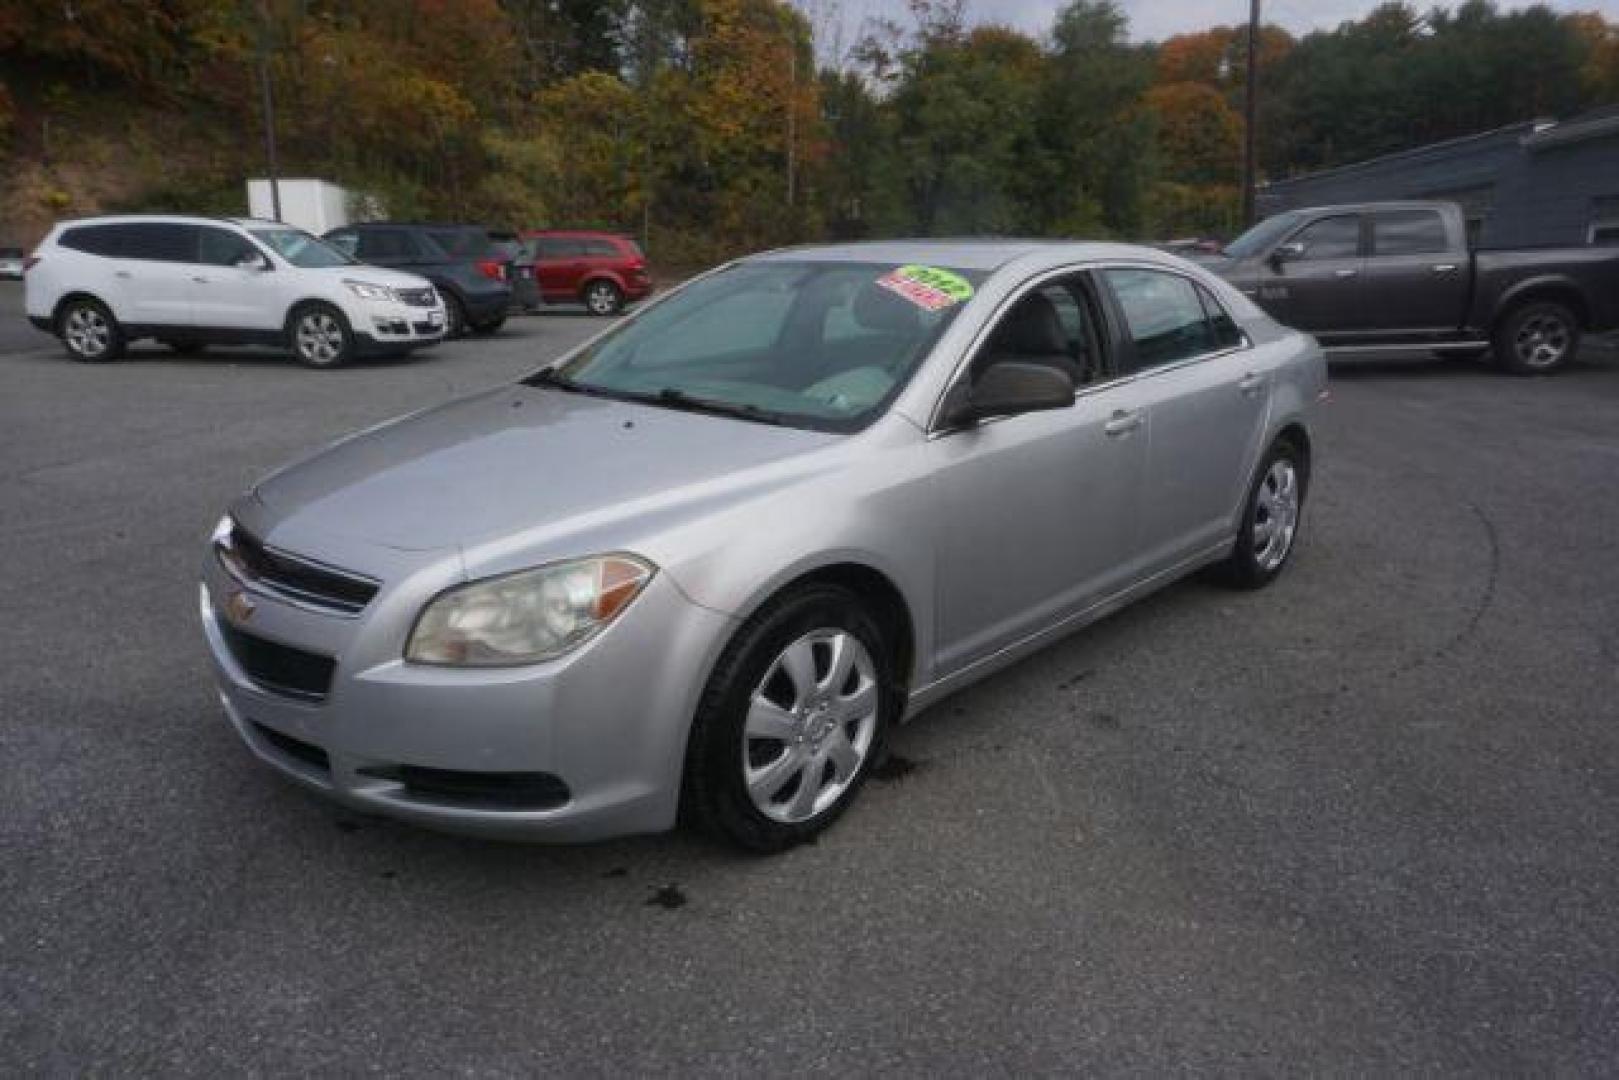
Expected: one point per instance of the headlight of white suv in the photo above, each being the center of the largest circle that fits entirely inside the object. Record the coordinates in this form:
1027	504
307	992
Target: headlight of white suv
367	291
528	616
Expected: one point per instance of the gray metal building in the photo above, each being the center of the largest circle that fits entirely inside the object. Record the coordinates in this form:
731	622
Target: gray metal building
1535	184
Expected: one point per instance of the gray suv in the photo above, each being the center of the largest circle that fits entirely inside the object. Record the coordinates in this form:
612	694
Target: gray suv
700	566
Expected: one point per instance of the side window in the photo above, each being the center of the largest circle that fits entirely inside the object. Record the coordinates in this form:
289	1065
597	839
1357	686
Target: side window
1408	232
600	249
385	245
553	249
1226	331
1330	238
346	242
1164	315
1051	325
1604	230
158	242
221	247
92	239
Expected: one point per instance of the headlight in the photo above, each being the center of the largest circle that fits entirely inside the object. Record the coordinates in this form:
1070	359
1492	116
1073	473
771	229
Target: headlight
367	291
528	616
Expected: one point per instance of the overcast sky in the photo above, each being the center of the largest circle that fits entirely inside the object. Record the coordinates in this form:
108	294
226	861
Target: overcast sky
1154	20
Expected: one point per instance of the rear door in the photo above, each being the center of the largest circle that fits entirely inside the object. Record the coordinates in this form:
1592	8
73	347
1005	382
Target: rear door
1414	282
1206	397
154	268
1319	288
559	267
230	289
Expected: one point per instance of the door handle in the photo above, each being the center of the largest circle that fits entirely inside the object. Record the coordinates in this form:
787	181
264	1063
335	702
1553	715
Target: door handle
1251	383
120	273
1445	268
1122	422
200	280
1344	273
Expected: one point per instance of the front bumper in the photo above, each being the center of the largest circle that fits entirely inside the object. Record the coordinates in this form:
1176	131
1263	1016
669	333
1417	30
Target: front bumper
598	736
381	326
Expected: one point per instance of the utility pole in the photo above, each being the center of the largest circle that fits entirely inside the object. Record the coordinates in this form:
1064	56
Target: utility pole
792	118
1250	108
269	109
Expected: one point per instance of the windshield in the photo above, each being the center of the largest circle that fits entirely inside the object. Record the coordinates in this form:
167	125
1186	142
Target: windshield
810	344
1259	238
301	249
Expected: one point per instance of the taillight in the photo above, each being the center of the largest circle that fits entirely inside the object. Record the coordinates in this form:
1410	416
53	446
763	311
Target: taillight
492	268
29	263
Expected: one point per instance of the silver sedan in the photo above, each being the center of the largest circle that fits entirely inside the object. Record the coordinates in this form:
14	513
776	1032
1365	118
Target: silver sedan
698	568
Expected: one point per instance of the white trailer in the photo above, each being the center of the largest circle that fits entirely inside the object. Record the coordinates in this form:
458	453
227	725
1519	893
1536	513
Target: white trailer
312	205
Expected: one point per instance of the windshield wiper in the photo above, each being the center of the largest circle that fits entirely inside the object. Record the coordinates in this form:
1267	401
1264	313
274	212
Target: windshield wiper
679	399
554	379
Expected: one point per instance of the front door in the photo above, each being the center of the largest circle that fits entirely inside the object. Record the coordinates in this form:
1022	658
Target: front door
1318	289
230	290
1040	509
559	265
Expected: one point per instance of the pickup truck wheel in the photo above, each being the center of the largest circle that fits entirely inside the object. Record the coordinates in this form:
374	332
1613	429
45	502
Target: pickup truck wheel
1537	338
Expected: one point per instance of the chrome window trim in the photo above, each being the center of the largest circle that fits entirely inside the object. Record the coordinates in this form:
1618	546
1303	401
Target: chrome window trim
935	430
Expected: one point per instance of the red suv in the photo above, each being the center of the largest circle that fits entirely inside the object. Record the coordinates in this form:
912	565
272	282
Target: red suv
600	270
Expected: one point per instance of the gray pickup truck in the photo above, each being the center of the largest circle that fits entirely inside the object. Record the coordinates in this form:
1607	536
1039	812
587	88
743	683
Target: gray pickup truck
1379	276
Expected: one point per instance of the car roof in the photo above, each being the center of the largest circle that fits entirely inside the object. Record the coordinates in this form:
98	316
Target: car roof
972	253
171	219
608	233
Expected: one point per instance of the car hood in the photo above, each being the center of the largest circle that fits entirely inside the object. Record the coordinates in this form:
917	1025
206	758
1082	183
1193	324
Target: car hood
521	460
375	275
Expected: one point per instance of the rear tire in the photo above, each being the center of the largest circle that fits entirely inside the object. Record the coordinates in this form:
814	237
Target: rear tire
89	332
489	326
320	336
792	719
603	298
1537	339
1271	516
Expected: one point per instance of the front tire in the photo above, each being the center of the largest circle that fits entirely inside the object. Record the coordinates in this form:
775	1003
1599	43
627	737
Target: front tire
1270	520
320	336
603	298
793	717
89	331
1537	339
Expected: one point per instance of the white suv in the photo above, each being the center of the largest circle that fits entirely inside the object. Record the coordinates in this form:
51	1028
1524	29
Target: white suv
100	283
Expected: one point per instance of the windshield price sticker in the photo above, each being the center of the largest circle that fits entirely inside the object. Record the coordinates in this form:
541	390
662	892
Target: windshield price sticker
927	287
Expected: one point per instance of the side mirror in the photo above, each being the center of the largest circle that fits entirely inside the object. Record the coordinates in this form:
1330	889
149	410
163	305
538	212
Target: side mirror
254	261
1286	253
1009	388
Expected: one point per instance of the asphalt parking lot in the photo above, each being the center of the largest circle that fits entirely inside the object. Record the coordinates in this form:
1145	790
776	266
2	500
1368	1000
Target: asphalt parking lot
1361	822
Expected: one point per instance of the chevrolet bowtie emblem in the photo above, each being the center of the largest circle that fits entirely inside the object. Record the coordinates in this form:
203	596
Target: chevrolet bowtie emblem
239	606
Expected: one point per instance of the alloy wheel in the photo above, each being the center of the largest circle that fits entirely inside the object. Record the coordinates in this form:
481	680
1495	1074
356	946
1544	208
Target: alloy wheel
1542	341
810	726
319	338
601	299
87	332
1276	514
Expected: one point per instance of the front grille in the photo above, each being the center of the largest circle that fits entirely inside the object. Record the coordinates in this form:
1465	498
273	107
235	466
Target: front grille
297	749
418	297
279	668
477	790
296	578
